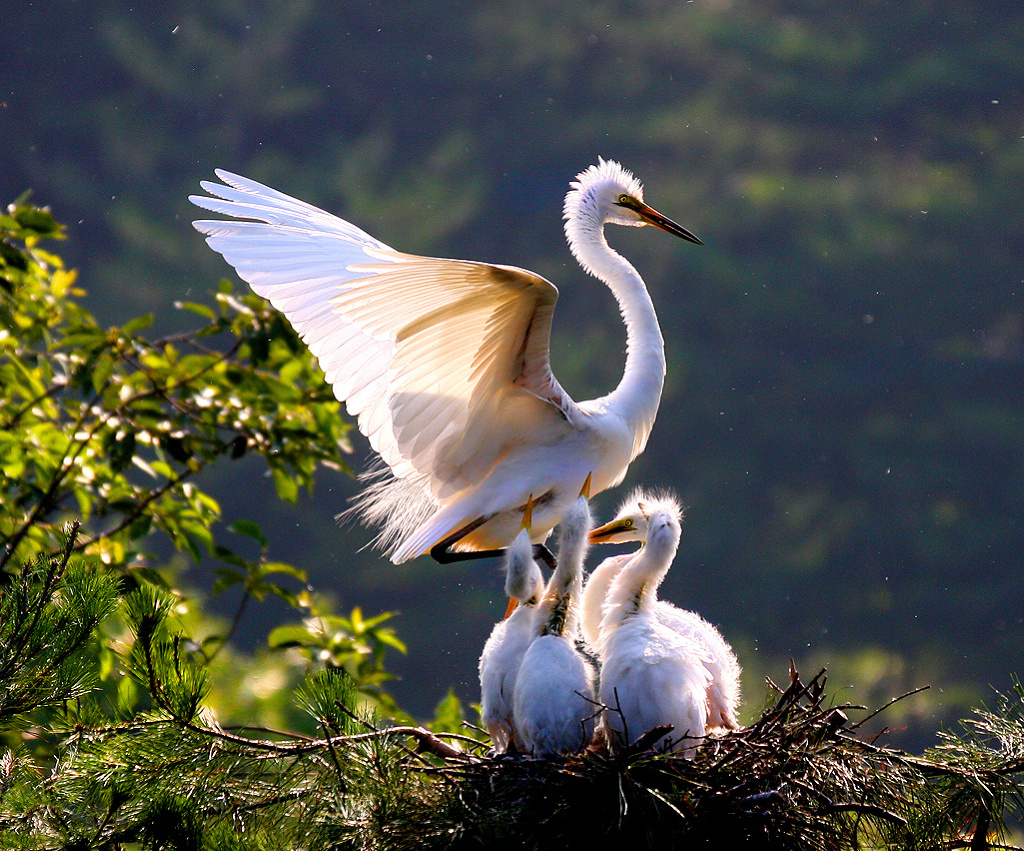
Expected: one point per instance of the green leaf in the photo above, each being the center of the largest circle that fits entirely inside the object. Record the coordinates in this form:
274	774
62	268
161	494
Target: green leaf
249	529
149	576
386	636
231	557
102	369
280	591
140	323
200	532
286	486
226	578
369	623
203	310
292	636
37	219
162	468
269	567
121	450
140	526
448	715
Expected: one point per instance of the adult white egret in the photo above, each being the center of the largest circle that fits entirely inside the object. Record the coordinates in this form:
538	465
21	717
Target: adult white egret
651	676
445	365
632	523
554	705
508	641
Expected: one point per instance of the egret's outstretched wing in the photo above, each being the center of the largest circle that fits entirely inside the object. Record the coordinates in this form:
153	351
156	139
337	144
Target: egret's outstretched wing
443	362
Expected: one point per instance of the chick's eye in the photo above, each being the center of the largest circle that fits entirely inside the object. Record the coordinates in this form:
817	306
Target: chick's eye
624	199
629	523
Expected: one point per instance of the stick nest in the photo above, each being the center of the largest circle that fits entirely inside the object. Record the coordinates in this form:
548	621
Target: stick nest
798	778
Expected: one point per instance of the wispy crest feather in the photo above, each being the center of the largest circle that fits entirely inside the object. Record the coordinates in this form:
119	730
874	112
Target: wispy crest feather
587	204
592	177
659	499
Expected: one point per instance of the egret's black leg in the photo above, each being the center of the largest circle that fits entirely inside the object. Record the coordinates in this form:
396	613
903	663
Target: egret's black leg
442	553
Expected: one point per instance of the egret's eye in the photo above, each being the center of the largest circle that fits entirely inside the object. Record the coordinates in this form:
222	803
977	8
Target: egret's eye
629	523
625	200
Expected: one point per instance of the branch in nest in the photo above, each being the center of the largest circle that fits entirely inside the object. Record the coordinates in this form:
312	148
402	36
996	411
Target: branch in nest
647	740
429	743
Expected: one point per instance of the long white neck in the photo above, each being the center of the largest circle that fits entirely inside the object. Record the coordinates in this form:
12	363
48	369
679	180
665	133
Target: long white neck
594	594
638	393
635	590
559	610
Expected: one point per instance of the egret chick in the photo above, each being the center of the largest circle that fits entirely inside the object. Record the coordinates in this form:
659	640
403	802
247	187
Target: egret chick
650	674
504	650
631	524
554	707
445	363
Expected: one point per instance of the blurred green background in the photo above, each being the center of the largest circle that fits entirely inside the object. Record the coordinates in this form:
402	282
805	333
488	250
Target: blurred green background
843	413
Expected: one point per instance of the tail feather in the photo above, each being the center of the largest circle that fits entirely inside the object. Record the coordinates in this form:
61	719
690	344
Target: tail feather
397	507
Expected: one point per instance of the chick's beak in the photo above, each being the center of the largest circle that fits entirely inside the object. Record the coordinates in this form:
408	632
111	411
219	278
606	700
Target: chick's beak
528	515
585	490
604	534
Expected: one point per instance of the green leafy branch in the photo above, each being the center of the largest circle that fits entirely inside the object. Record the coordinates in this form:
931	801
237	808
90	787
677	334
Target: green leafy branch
111	427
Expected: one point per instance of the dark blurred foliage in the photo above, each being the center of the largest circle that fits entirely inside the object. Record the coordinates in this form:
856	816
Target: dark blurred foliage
843	411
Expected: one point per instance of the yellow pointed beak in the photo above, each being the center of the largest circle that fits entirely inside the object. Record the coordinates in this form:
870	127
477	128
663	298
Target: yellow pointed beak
512	603
527	515
602	534
585	490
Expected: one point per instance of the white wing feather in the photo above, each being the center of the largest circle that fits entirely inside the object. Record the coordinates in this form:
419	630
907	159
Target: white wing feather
435	358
